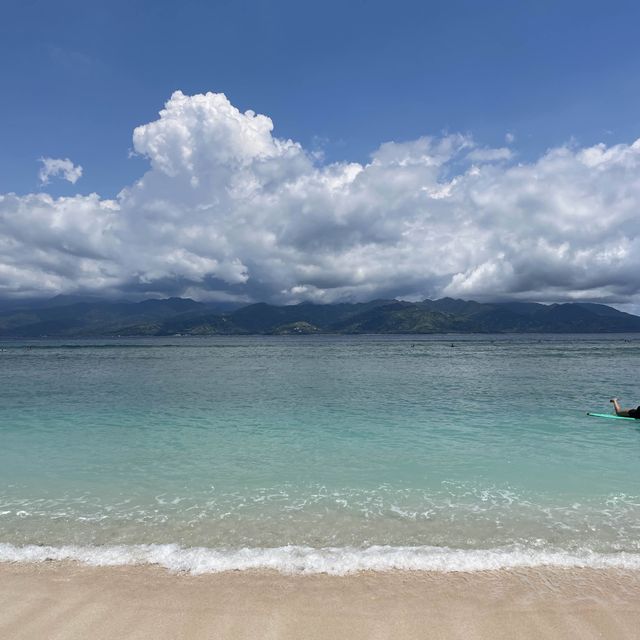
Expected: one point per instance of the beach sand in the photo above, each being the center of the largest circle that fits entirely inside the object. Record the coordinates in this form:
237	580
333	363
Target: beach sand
59	600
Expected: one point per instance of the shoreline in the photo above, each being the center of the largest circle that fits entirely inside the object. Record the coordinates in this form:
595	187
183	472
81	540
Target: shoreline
304	560
68	600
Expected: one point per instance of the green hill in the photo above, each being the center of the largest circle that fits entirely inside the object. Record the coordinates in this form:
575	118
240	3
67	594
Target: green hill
73	317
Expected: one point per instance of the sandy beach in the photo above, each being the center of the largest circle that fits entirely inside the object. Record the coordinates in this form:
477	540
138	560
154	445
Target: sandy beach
71	601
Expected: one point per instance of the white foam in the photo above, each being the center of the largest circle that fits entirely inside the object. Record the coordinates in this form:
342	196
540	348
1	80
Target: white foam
331	560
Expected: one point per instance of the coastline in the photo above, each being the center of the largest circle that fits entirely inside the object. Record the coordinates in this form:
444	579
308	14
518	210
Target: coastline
337	561
68	600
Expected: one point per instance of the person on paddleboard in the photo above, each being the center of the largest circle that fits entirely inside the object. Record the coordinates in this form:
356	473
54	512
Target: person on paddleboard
625	413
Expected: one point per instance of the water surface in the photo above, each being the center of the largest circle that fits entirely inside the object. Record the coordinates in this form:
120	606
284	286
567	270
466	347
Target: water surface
448	443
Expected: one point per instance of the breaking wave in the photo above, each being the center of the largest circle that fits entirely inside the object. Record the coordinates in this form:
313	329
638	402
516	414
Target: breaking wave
329	560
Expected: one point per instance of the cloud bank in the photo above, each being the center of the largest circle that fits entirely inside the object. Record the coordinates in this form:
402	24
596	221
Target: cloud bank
229	211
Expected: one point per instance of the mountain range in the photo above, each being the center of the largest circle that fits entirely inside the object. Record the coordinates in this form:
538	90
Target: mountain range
68	316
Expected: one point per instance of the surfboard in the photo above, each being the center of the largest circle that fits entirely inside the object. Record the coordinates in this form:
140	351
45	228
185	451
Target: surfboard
610	415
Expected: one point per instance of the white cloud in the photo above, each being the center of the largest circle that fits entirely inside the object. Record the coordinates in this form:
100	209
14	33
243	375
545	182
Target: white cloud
490	155
58	167
229	211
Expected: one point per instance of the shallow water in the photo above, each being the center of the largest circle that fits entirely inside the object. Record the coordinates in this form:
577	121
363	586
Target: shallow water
322	442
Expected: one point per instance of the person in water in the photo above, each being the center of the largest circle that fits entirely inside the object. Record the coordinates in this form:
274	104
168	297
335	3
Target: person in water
625	413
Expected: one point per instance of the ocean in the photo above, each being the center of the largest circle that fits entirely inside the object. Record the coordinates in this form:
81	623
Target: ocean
321	453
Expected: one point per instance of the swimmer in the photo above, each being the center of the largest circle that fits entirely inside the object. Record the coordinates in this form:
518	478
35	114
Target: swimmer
625	413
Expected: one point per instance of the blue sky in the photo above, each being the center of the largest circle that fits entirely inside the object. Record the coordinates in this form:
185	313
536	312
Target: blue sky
484	150
78	76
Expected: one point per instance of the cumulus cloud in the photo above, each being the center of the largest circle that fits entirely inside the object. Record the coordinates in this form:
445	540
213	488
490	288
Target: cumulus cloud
58	167
228	211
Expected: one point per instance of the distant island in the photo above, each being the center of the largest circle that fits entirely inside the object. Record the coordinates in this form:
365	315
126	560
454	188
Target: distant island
68	316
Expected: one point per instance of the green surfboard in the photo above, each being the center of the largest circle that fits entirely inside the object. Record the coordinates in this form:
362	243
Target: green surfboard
611	415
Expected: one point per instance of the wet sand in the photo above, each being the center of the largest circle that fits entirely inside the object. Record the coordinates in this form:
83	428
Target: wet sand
63	600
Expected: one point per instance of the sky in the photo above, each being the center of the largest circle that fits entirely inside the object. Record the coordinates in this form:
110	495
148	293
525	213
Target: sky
292	151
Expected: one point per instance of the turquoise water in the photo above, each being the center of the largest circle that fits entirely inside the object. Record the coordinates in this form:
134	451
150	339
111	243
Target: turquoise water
317	452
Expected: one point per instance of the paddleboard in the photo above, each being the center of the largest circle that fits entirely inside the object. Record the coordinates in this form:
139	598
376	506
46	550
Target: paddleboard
611	415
